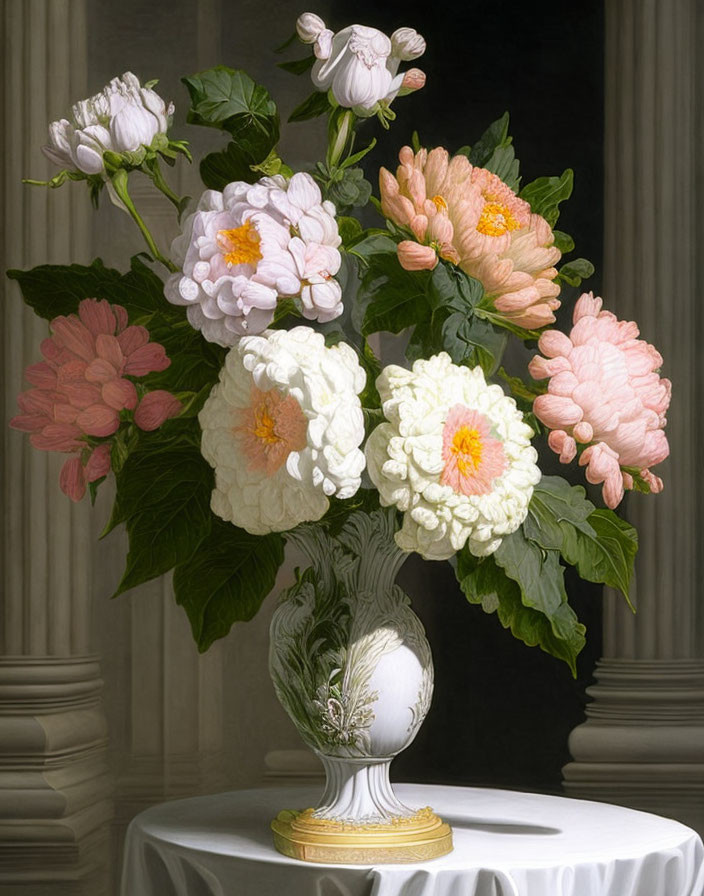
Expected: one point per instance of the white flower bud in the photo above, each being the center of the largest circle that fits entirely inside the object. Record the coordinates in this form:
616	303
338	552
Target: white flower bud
132	127
123	117
407	44
58	149
309	27
89	145
360	64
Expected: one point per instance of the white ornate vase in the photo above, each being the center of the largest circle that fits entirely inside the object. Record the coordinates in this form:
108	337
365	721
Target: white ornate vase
352	667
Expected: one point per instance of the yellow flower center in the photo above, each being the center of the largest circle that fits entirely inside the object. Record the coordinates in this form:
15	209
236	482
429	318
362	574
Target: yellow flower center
467	448
240	245
439	203
264	427
496	219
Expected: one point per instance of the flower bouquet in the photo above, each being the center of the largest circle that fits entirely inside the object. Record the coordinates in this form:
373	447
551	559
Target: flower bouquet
233	387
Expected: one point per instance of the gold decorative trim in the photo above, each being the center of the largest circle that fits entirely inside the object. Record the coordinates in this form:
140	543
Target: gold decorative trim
416	838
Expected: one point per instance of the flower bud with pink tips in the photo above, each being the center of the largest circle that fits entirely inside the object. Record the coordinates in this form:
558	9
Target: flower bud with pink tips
605	393
360	64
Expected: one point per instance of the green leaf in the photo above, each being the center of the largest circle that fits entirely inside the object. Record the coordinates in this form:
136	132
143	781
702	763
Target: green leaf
349	229
563	241
545	194
229	99
218	169
554	503
467	338
484	582
345	187
93	489
163	496
372	242
504	164
287	43
298	66
495	135
226	580
608	555
396	298
470	340
315	105
537	571
358	156
575	271
51	290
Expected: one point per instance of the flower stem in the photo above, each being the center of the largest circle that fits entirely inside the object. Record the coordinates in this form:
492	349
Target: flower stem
119	182
154	172
339	134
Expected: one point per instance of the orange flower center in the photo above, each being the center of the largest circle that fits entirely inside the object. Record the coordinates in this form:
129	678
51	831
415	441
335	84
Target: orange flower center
269	429
496	219
466	449
264	426
240	245
439	203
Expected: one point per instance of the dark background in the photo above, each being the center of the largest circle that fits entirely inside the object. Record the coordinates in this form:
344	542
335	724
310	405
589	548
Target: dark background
502	712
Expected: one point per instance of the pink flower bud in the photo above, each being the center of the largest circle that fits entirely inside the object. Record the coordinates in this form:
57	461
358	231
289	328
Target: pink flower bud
414	257
413	79
155	408
98	463
72	479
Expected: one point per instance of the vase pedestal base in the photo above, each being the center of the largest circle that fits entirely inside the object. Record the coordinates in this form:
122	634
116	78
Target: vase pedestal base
416	838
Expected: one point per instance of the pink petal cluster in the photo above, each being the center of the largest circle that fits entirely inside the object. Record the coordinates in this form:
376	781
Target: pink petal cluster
80	388
468	216
604	392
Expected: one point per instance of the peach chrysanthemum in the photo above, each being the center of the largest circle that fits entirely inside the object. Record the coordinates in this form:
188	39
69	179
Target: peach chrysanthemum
470	217
604	392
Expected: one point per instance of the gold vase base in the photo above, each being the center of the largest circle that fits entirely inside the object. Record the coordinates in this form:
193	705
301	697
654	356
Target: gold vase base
418	838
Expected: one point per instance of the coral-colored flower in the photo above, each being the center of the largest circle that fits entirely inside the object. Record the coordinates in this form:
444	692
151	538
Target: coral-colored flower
468	216
156	408
80	387
604	392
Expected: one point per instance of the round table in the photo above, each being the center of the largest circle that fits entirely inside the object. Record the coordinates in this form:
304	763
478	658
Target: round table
506	844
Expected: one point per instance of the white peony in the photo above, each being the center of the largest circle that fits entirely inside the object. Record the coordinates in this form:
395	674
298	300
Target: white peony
360	64
455	456
282	430
123	117
244	248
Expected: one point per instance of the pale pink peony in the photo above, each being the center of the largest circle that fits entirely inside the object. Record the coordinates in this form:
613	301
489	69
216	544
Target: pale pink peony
81	387
468	216
604	392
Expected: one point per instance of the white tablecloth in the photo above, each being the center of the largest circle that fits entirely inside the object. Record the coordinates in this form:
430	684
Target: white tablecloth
506	844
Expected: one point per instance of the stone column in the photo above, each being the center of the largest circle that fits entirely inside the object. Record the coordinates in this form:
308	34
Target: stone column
54	788
643	742
164	701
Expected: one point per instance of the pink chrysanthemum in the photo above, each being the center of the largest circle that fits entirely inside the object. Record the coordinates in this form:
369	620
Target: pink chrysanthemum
468	216
604	392
81	387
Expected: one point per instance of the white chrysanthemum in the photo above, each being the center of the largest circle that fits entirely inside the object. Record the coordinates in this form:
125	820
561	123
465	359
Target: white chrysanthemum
282	429
455	456
245	247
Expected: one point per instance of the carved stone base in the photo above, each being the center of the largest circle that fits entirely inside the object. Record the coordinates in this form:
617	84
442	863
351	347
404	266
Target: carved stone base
55	787
643	742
